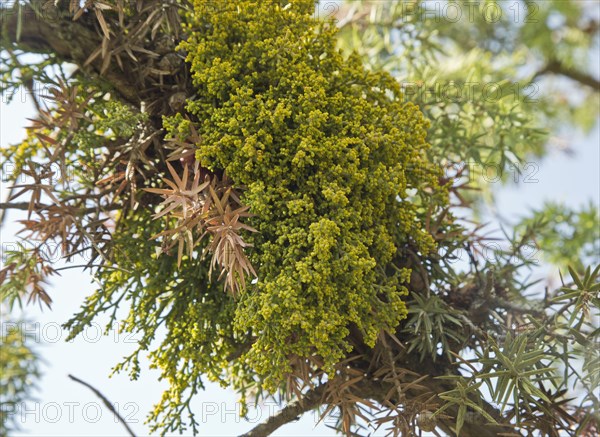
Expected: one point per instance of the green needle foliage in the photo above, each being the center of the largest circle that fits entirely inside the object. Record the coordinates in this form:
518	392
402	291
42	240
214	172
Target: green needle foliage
270	202
326	152
19	374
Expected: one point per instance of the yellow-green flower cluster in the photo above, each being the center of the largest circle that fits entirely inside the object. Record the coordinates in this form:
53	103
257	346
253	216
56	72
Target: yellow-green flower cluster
326	151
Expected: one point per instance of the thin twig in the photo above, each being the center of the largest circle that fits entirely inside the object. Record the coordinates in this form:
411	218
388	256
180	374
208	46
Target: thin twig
24	206
291	412
557	67
3	210
106	402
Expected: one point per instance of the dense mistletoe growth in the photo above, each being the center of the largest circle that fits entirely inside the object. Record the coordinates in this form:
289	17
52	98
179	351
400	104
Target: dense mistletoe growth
326	152
307	179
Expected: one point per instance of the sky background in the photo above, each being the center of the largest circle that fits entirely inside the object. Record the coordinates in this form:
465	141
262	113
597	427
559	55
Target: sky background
65	408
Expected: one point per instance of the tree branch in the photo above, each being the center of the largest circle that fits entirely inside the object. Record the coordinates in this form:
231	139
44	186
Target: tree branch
106	402
291	412
70	40
557	67
24	206
474	425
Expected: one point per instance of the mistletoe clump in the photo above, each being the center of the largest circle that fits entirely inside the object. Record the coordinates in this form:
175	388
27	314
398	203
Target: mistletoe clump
326	152
305	178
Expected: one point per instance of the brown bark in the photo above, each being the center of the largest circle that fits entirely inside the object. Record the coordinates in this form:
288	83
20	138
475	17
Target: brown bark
74	41
53	31
558	68
291	412
474	425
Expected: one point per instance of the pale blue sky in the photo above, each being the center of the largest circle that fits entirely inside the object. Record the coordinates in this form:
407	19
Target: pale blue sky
65	408
69	409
